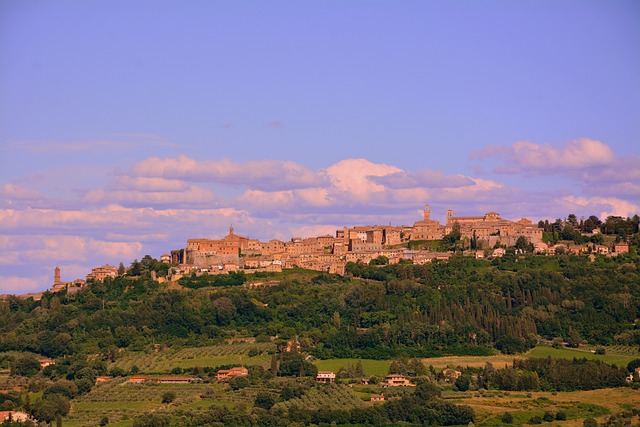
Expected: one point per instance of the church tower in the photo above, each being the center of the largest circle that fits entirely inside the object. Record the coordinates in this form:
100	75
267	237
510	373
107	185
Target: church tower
449	215
56	276
427	212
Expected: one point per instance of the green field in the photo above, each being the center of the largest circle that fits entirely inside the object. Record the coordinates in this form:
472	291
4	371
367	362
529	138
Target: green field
212	356
568	353
377	368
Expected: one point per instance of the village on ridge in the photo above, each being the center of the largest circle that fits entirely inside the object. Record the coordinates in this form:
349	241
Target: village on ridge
483	236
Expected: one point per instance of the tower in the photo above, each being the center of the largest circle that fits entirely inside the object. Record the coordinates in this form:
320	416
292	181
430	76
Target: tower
449	215
427	212
56	275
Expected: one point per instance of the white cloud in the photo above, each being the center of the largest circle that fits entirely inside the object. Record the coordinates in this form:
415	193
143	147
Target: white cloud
528	156
11	192
14	285
604	206
264	174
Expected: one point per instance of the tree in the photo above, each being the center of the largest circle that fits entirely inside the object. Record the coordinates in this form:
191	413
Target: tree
381	260
631	366
152	420
590	422
264	400
507	418
451	240
426	390
168	396
463	383
27	366
49	408
121	269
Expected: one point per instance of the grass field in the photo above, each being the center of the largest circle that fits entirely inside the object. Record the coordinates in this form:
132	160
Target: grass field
497	360
377	368
577	405
612	357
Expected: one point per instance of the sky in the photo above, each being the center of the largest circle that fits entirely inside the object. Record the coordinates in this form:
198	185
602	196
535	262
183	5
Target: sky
128	127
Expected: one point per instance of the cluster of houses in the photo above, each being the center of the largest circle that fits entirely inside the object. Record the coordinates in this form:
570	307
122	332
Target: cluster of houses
330	253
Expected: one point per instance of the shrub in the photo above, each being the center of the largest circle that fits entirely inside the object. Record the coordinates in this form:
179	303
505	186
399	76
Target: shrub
536	419
561	416
590	422
264	400
507	418
168	397
548	416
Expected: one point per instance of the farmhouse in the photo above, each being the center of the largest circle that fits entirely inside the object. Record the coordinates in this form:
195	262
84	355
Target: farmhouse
46	362
224	374
176	380
325	377
377	397
396	380
137	380
15	416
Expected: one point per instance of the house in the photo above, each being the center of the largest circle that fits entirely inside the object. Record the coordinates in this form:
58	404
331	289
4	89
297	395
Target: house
176	380
137	380
325	377
46	362
101	380
621	248
225	374
451	374
100	273
17	416
540	248
498	252
396	380
377	397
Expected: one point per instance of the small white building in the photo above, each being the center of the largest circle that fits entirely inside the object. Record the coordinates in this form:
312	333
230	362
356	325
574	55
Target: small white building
325	377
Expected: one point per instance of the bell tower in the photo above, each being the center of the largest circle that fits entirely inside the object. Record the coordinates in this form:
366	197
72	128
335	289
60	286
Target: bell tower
56	275
449	215
427	212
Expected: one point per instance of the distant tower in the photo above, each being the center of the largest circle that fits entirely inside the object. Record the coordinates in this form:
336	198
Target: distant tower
427	212
449	214
56	275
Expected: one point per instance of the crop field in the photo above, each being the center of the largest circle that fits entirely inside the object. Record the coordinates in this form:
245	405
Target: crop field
327	396
165	361
619	355
121	401
497	360
377	368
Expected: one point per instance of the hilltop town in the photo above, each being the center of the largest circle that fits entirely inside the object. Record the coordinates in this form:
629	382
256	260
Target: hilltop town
483	236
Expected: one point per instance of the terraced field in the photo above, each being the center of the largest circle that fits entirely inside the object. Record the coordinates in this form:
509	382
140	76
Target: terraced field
212	356
328	396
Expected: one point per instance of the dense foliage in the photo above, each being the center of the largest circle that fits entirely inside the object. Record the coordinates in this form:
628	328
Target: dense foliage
463	306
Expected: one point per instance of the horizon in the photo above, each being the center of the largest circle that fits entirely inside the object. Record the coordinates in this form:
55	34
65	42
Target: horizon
126	129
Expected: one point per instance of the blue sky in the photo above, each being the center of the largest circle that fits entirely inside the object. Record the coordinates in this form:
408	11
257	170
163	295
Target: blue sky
128	127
